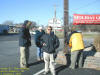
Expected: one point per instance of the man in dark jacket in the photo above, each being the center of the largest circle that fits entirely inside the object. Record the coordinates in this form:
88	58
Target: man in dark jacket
50	43
38	35
24	43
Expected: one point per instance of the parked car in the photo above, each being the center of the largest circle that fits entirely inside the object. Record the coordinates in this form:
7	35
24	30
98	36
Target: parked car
4	29
32	32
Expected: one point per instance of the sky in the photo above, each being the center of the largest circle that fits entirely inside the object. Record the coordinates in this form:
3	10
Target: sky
43	10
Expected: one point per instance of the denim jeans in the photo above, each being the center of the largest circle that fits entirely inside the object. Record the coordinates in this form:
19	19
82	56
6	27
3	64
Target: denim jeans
39	53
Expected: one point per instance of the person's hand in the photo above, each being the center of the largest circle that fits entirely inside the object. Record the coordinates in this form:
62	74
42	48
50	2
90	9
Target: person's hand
44	44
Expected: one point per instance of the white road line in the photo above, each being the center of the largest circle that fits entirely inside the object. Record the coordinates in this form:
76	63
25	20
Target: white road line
39	72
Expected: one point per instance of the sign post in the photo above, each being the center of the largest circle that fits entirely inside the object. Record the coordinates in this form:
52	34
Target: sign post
65	25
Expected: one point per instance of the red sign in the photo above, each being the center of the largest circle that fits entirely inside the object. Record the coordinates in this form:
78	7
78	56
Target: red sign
79	19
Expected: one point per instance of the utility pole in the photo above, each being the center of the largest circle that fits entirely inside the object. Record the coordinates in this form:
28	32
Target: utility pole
55	11
54	19
65	25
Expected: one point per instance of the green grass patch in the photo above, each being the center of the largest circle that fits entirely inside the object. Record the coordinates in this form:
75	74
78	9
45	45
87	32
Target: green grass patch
61	35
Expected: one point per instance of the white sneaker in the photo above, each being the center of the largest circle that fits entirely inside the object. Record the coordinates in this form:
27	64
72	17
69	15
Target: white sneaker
45	73
53	73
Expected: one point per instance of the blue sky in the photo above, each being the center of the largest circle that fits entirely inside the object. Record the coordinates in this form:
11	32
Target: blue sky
43	10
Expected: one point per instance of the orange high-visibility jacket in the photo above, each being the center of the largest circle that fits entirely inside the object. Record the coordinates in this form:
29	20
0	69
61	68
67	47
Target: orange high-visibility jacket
76	42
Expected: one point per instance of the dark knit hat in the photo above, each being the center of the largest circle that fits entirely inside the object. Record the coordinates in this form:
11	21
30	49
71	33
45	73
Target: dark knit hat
25	22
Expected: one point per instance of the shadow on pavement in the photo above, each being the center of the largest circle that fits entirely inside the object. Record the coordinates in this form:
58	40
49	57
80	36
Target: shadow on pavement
9	34
64	66
35	63
60	69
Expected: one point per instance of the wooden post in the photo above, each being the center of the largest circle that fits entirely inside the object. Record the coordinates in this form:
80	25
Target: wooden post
65	25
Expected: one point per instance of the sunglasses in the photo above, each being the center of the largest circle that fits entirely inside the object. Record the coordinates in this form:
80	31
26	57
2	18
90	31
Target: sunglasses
49	29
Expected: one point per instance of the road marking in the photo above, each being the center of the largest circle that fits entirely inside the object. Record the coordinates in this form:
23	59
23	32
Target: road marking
39	72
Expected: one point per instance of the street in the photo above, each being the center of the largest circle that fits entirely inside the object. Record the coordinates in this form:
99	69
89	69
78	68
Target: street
10	54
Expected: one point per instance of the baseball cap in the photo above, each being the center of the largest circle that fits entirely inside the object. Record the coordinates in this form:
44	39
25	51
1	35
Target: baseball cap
40	28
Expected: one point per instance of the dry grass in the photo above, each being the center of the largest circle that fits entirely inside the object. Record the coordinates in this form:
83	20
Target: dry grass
97	43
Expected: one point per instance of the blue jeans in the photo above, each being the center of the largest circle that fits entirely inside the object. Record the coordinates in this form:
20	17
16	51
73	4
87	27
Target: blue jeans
39	53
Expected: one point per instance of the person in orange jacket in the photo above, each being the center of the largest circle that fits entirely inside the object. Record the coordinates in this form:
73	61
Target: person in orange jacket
77	46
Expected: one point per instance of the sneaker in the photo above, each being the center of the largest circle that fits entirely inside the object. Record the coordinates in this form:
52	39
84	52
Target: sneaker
53	73
42	59
38	59
45	73
71	68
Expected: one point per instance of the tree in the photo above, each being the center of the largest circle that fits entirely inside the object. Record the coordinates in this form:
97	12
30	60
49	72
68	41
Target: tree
34	24
8	22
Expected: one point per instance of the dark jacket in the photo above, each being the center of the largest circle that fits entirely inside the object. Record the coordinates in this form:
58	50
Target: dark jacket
51	41
24	37
37	37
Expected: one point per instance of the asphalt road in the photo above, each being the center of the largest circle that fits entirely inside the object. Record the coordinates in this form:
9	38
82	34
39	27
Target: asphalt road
9	58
